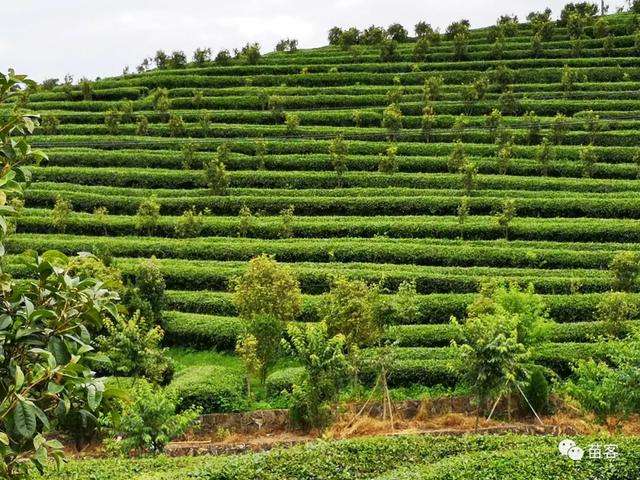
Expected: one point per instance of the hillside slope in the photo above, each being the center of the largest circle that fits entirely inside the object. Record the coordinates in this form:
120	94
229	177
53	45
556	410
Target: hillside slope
573	211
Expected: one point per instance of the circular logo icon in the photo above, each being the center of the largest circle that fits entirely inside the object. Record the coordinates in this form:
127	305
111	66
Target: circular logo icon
566	445
575	453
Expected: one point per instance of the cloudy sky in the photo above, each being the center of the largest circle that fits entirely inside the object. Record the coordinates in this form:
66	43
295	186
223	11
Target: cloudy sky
49	38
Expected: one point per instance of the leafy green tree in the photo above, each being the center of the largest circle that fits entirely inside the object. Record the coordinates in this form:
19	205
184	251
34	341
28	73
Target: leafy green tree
189	224
545	154
388	162
509	104
625	268
112	118
176	125
247	350
223	57
392	120
201	56
245	221
292	122
148	421
260	152
373	35
494	360
352	308
216	173
506	215
188	155
537	46
533	128
286	222
461	46
505	152
133	347
148	215
592	125
469	172
250	53
421	50
46	347
338	151
559	128
267	288
142	126
616	310
204	121
567	79
267	296
398	33
457	157
389	50
50	124
60	214
493	121
428	122
432	88
326	370
588	159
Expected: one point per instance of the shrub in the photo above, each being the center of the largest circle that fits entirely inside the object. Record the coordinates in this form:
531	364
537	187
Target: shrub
210	389
216	174
292	121
457	157
223	58
189	225
188	155
398	33
142	126
373	35
388	162
625	268
461	46
201	56
176	125
392	120
133	348
616	309
148	422
267	288
245	221
148	215
286	222
421	50
388	50
112	119
325	372
50	124
60	214
353	309
432	87
537	391
559	128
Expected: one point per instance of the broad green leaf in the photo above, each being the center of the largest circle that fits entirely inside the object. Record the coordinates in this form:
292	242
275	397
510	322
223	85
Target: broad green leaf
24	419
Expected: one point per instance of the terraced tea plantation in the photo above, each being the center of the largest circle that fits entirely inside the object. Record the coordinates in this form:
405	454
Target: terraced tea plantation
517	162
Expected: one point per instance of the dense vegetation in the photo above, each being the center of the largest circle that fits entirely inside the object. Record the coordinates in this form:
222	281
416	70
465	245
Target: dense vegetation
393	182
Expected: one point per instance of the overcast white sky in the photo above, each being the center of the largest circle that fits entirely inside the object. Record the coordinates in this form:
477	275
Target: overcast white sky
49	38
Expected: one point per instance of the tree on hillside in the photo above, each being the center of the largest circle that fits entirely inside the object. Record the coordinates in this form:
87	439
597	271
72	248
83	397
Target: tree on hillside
398	33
